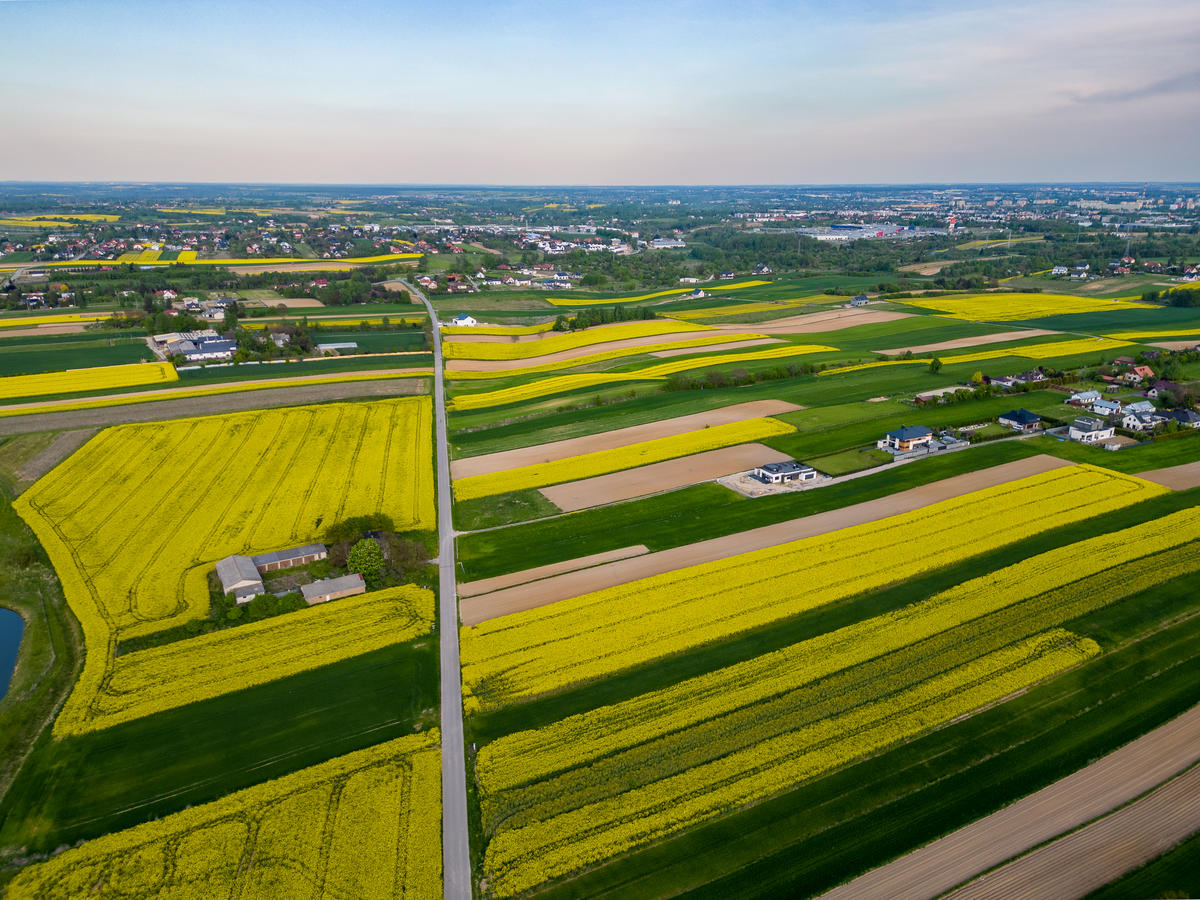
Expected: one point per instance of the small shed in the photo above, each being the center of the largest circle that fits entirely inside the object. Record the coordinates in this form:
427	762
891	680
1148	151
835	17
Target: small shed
286	559
332	588
240	577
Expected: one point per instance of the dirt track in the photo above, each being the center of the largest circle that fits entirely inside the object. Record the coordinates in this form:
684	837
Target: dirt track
574	584
487	585
70	328
978	340
619	437
60	448
1068	867
661	476
211	405
830	320
717	348
503	365
1177	478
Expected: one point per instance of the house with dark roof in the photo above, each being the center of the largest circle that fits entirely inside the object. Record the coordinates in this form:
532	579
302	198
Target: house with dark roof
784	472
1162	387
1020	420
1187	418
860	300
906	438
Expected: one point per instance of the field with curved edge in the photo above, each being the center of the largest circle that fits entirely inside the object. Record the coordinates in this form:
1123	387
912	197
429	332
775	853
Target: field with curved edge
556	343
364	825
603	461
111	515
1002	307
543	388
99	379
542	650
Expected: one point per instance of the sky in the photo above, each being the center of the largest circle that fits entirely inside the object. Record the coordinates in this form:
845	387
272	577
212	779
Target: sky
612	92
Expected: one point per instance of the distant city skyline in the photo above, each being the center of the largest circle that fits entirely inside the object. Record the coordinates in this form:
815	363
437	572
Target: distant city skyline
537	93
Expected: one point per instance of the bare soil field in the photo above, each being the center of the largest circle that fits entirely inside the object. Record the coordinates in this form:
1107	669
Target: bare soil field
717	348
211	405
60	448
487	585
619	437
1105	852
1177	478
998	338
830	320
661	476
573	584
1176	345
503	365
297	303
69	328
928	268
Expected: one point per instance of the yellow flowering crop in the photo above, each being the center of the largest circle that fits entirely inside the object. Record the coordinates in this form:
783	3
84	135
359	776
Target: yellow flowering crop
232	388
545	649
497	329
520	858
186	256
61	319
135	519
602	356
78	380
858	367
543	388
558	300
175	674
700	362
1001	307
1120	564
1050	350
738	309
1155	334
366	825
604	461
558	342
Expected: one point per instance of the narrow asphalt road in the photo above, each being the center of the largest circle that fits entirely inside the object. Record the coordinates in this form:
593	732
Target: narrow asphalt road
456	852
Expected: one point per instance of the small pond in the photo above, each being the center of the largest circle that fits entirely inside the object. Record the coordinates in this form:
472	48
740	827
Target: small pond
11	628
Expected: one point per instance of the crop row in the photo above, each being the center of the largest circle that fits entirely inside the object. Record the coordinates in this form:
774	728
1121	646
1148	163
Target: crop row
559	300
98	379
366	825
541	650
520	858
463	374
715	712
544	388
556	343
1154	334
601	462
1050	350
112	517
496	329
1011	307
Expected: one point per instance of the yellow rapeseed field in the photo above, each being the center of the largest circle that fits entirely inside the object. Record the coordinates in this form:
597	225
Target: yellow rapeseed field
1002	307
150	681
556	343
62	319
497	329
1050	350
78	380
603	461
543	388
366	825
1154	334
558	300
545	649
232	388
136	519
601	356
738	309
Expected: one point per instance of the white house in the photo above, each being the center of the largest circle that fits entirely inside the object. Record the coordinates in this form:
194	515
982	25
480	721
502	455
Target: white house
781	472
1140	421
462	320
1083	398
1087	430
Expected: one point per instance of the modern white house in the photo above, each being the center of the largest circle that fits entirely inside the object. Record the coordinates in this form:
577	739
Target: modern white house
784	472
1087	430
462	320
1142	421
905	438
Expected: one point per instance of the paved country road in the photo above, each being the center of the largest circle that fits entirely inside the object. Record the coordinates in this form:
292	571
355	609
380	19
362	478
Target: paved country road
1105	785
456	853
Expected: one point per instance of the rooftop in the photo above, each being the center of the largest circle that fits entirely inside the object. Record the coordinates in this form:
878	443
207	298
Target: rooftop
332	585
263	559
909	432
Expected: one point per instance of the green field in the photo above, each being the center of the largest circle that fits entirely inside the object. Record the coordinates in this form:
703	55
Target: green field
29	356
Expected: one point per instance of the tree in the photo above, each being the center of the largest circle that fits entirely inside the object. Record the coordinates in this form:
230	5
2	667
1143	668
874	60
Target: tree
977	377
935	365
366	559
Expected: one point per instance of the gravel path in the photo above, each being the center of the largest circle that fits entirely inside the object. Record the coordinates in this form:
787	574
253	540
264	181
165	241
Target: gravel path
1078	863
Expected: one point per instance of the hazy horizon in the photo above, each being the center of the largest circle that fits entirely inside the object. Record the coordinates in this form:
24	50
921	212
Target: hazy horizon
527	93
